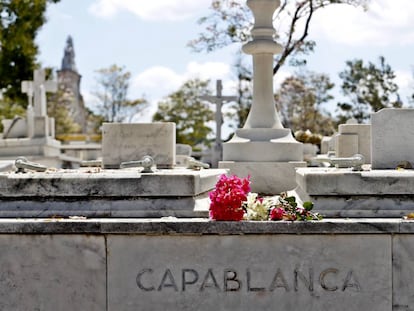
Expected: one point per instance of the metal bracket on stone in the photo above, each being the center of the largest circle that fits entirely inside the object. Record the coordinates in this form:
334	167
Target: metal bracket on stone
196	165
356	162
146	162
22	164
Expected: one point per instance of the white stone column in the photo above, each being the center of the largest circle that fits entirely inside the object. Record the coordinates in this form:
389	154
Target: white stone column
263	149
263	113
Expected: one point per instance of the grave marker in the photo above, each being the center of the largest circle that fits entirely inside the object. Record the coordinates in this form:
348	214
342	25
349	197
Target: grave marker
392	134
37	89
219	100
130	142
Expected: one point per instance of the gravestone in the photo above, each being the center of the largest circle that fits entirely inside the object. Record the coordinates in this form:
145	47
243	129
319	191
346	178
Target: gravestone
354	138
39	124
130	142
301	273
392	134
14	128
37	89
219	100
38	141
377	191
325	144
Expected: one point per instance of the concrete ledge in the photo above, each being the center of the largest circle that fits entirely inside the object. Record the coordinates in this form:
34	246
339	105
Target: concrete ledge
94	182
173	226
341	182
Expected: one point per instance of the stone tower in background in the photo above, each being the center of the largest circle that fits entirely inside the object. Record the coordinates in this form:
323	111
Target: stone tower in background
69	86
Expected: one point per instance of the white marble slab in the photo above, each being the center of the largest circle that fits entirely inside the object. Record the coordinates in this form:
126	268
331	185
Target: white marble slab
279	272
130	142
344	181
403	272
392	134
46	272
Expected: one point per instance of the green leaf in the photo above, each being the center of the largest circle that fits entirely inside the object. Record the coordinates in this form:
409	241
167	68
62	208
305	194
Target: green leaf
291	200
308	205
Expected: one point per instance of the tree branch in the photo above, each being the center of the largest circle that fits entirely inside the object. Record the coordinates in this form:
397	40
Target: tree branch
292	46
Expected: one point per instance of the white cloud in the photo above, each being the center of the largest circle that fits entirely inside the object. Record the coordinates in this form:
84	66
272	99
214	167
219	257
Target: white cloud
157	82
208	70
385	23
153	10
280	77
405	81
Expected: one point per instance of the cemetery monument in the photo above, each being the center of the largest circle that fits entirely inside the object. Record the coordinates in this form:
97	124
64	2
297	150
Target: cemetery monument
33	136
263	149
73	239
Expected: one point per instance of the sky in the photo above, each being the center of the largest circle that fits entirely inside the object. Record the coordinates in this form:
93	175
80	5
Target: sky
149	38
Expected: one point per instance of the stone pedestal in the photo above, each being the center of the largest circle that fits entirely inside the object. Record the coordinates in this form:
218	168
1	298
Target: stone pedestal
44	147
107	193
339	192
263	149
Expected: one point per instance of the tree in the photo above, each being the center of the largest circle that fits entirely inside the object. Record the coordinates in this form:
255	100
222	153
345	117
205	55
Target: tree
56	108
369	87
114	106
230	21
190	114
299	101
20	22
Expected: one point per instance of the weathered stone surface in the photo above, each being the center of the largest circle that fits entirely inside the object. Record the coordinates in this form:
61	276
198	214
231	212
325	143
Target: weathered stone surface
266	177
15	147
92	182
198	226
333	181
130	142
392	130
353	139
93	192
6	165
345	193
346	145
249	273
403	272
40	272
363	206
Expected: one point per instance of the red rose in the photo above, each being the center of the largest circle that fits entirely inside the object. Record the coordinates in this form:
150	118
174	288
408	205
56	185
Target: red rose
277	213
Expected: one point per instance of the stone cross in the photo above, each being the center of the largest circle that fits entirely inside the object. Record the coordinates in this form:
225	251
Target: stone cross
37	89
219	99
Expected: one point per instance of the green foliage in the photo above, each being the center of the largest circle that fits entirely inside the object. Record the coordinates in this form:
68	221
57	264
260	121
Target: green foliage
369	87
113	85
20	22
299	101
190	114
9	110
64	123
308	205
